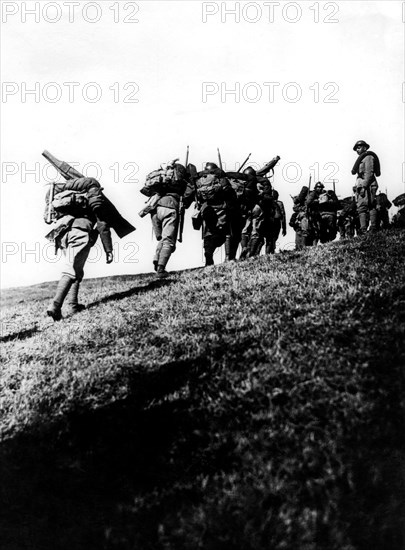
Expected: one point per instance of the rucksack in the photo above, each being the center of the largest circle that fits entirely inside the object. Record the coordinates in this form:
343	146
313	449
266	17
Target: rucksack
277	211
209	187
163	179
65	202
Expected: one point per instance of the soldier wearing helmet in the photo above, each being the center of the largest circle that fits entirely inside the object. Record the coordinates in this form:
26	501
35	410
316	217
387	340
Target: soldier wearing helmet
367	169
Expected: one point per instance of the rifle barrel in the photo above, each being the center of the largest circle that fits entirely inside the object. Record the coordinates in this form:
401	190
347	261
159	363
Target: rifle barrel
243	164
219	158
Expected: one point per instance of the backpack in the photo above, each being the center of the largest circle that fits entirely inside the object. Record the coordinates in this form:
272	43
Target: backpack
324	198
277	211
244	187
209	187
64	202
164	179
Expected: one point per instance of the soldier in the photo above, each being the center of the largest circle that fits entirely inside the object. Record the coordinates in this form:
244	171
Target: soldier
382	207
367	168
298	220
245	187
75	207
74	234
312	222
213	192
276	224
327	208
166	188
346	218
263	212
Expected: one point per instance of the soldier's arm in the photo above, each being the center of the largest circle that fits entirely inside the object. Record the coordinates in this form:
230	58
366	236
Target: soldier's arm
283	218
105	235
369	175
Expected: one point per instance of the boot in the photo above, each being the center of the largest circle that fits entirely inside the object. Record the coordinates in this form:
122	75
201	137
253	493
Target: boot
73	298
228	248
55	309
161	272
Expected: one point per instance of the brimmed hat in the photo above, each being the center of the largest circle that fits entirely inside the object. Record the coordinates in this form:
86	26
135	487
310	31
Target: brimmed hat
361	142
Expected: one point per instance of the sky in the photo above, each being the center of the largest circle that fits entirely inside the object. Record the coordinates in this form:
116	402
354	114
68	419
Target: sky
117	88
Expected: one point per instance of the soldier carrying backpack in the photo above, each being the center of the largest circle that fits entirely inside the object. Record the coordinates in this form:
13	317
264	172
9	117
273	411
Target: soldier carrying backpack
165	187
214	196
74	208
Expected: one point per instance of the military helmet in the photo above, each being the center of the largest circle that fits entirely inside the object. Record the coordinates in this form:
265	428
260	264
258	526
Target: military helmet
361	143
211	166
319	185
275	194
249	171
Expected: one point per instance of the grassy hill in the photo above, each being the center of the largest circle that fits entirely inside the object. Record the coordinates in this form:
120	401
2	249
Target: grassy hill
249	406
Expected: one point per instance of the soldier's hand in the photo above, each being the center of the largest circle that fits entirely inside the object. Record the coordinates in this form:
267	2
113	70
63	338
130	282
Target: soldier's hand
110	257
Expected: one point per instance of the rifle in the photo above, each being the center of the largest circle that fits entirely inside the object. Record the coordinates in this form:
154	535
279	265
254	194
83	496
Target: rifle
67	171
51	194
219	158
242	165
334	188
309	184
181	207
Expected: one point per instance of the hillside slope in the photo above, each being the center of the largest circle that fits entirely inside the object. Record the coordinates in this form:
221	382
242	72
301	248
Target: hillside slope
249	406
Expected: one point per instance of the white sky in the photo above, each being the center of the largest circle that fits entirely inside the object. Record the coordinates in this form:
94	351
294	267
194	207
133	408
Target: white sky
357	62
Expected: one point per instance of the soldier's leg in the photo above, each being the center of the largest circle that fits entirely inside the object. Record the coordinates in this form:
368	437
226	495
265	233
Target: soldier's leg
245	238
157	229
72	298
372	191
256	240
299	240
209	249
170	221
75	248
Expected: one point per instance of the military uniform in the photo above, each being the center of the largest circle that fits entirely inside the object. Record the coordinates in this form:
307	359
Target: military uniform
74	234
276	224
215	196
166	185
327	208
367	168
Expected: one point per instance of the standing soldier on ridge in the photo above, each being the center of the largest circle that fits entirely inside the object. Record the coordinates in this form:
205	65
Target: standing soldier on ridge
367	168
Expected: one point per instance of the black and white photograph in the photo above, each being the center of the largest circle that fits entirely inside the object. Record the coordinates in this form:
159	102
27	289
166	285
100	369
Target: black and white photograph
202	275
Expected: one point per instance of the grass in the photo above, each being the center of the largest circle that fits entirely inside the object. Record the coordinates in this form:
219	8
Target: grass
249	406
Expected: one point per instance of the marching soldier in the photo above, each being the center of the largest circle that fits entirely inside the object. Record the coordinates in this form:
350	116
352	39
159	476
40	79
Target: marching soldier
327	207
214	195
383	205
165	187
367	168
276	224
263	212
75	208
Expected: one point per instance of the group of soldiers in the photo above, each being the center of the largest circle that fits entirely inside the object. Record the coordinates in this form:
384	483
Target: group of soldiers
242	208
235	209
319	215
231	208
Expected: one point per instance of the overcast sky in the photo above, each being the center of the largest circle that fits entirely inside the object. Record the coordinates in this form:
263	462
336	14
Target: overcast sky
120	87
